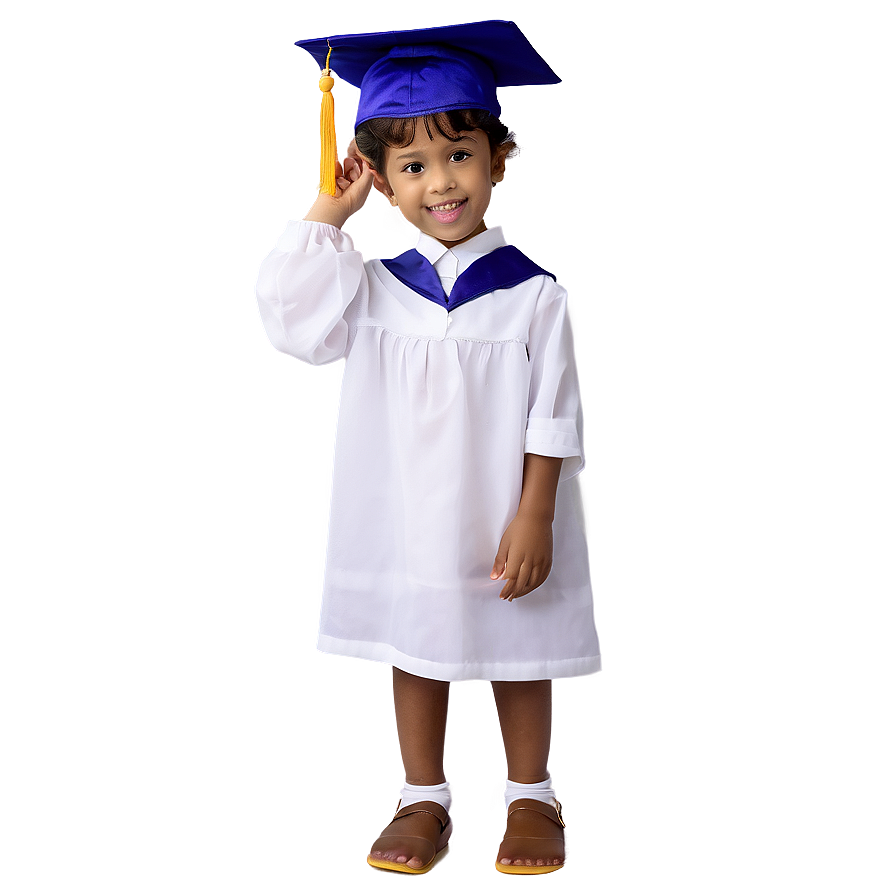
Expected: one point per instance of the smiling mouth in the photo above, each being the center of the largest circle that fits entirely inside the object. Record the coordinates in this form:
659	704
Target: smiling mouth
447	212
447	206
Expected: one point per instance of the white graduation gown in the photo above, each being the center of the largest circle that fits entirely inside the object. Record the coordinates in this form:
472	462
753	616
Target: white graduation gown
436	412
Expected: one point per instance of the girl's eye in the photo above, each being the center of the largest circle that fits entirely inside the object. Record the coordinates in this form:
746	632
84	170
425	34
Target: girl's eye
460	155
413	168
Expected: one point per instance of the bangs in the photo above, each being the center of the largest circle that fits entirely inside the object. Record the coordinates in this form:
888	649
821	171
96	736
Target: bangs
399	132
374	136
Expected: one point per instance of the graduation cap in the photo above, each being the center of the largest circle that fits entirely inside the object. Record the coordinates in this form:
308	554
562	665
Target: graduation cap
408	74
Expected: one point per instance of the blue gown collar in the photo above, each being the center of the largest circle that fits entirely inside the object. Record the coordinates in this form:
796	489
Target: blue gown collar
501	268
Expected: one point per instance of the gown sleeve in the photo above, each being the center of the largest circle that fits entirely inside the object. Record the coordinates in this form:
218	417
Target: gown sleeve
308	291
554	426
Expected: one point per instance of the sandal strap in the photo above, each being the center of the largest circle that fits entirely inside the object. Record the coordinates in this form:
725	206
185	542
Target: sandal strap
538	806
430	808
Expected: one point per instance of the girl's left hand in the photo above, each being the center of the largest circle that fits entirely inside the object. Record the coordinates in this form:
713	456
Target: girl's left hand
524	555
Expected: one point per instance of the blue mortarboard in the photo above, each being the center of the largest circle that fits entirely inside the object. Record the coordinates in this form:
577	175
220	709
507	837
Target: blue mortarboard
406	74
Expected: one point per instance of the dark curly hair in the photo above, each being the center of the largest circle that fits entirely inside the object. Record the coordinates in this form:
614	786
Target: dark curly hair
372	137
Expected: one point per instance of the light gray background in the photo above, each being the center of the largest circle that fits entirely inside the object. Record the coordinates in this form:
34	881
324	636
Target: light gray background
714	183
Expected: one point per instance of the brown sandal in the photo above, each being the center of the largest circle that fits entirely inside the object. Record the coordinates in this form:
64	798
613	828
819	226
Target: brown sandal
534	834
425	847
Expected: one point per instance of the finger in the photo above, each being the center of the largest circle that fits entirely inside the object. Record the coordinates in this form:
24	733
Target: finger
500	564
358	182
511	567
360	188
534	578
365	175
531	579
353	151
514	578
532	582
522	581
359	163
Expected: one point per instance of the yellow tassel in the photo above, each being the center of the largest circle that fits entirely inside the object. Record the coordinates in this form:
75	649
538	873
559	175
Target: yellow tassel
327	133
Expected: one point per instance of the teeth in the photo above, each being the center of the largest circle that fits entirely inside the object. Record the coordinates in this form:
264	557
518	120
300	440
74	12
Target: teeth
447	207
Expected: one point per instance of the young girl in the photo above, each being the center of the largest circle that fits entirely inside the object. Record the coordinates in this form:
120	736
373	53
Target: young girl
459	438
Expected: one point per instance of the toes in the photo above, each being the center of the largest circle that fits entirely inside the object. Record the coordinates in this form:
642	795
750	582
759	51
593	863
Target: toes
535	862
399	858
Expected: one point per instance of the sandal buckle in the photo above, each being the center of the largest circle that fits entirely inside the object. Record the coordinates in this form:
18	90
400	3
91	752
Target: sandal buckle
559	807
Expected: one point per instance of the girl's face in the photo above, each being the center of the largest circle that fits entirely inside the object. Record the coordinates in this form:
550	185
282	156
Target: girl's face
442	186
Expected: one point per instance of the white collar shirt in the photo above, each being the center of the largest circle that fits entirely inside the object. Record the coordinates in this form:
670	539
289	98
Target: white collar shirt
451	263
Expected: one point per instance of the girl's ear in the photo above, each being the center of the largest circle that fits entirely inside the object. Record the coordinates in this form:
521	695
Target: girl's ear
379	181
499	157
382	185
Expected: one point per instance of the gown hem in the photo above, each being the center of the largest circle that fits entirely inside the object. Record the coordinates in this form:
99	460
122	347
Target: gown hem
537	670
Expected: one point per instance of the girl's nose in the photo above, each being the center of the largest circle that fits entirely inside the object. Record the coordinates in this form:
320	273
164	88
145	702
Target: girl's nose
441	182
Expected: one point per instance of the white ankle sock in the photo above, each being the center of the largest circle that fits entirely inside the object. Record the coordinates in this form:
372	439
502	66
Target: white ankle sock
438	793
542	791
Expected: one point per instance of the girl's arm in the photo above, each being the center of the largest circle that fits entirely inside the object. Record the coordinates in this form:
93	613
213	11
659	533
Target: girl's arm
527	547
308	285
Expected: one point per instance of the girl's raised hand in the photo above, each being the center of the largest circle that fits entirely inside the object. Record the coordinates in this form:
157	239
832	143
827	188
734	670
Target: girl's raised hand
354	177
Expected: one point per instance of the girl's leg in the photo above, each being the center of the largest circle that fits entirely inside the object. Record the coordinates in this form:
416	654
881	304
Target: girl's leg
524	710
421	712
